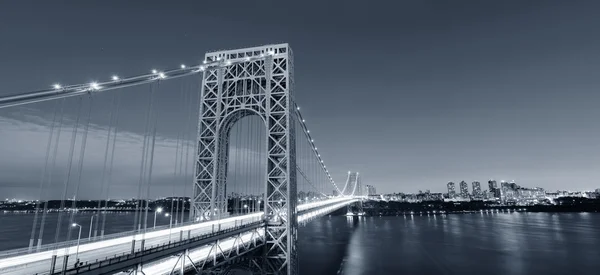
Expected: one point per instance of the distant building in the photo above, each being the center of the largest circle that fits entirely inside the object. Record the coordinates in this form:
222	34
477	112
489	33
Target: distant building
371	190
477	190
464	189
451	190
492	185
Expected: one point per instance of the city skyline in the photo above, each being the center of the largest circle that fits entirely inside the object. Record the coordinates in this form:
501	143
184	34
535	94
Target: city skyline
460	91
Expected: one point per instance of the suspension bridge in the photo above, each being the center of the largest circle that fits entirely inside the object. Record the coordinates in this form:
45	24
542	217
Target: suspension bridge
257	174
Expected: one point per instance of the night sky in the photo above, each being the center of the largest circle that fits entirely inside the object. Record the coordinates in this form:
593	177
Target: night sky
412	94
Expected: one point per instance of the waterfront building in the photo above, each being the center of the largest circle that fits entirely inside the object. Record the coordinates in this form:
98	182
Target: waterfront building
477	190
451	190
464	190
371	190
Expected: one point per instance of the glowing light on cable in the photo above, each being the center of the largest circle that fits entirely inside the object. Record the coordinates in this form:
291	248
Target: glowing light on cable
115	78
161	75
154	71
57	86
94	86
183	66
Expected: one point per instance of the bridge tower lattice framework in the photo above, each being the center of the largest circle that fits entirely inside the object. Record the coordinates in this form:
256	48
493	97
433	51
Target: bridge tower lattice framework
252	81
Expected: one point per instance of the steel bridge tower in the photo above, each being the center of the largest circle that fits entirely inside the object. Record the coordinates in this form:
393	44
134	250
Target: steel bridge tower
354	187
252	81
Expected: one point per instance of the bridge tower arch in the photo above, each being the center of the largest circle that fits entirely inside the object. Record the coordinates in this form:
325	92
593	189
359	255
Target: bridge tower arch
252	81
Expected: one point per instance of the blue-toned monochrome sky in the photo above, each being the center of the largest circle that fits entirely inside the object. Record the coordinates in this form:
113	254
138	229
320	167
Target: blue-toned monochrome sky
412	94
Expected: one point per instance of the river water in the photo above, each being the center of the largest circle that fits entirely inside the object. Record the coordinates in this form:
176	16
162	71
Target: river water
498	243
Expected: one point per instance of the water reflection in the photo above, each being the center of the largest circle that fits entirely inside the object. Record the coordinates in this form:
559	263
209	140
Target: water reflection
492	243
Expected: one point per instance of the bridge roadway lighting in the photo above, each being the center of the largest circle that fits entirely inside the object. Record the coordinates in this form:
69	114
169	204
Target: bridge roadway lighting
158	210
115	78
161	75
154	71
57	86
183	66
78	238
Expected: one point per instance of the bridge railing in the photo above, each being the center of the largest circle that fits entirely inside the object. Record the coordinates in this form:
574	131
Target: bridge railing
87	266
70	243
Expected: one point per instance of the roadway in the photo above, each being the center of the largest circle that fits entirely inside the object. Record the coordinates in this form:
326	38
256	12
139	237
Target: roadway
40	262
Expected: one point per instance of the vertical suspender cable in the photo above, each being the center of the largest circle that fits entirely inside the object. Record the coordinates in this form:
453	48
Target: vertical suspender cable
110	166
175	172
187	151
43	178
150	169
172	210
68	177
104	167
195	155
147	162
137	220
183	136
80	166
51	172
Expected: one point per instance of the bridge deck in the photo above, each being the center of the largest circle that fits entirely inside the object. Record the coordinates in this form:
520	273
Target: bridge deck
122	247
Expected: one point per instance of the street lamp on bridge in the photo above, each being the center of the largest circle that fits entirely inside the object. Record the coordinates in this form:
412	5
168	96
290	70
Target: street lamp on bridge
170	219
78	238
158	210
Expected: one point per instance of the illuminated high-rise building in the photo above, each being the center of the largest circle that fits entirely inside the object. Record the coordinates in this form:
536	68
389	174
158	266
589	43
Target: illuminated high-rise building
492	185
493	188
371	190
464	189
477	190
451	190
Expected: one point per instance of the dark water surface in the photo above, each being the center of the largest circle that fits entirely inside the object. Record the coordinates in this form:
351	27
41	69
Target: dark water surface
500	243
515	243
